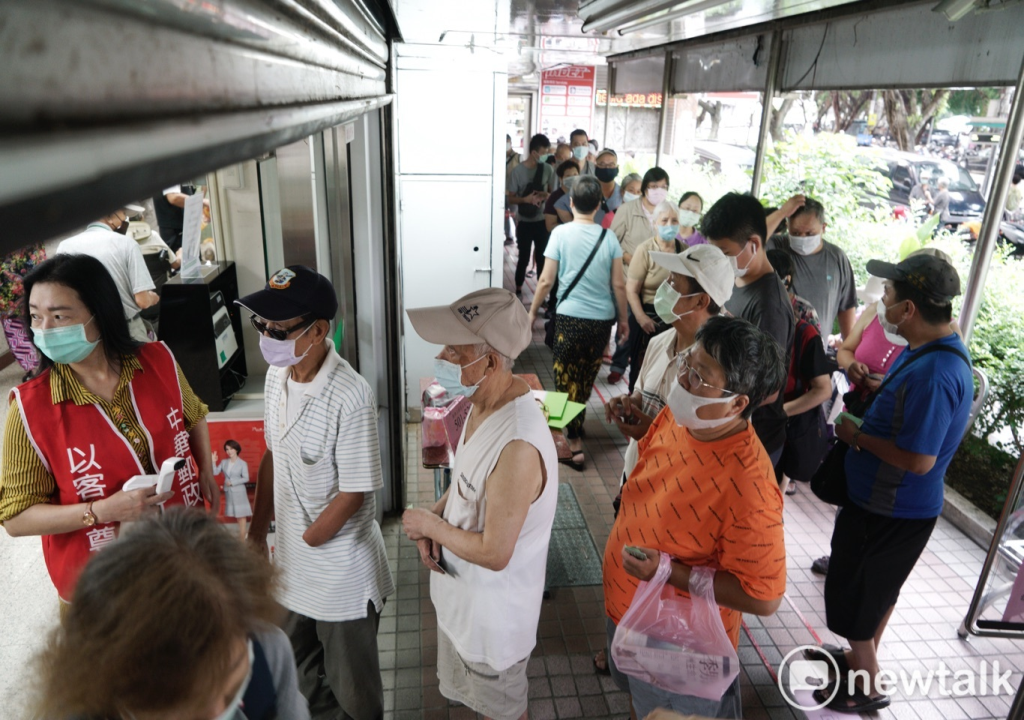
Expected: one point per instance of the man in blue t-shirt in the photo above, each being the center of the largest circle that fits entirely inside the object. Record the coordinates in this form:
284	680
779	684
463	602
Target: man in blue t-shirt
895	467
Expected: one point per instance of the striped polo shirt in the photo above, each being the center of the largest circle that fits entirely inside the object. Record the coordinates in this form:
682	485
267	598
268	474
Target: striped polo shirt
329	447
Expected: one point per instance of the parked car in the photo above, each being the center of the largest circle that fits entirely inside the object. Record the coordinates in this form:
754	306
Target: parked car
907	170
724	158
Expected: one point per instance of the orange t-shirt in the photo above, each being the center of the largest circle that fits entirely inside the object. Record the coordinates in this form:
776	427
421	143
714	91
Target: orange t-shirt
704	503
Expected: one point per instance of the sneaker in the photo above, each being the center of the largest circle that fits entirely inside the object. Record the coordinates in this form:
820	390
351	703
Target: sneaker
820	566
614	377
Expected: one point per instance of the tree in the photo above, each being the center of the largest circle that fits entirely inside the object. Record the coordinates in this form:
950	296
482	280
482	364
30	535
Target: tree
714	111
846	106
779	117
909	111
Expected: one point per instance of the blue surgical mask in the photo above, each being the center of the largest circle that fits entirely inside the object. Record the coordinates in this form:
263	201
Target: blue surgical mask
64	345
629	197
449	376
580	152
543	158
668	232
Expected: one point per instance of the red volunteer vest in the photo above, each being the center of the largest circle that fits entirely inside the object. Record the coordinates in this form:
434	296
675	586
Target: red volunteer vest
90	459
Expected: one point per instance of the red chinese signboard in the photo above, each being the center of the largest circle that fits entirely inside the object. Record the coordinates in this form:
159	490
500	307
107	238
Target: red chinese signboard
566	100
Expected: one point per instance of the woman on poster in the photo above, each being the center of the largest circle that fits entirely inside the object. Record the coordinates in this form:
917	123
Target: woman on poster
236	475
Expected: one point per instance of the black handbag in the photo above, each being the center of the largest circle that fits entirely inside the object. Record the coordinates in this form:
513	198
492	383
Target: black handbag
532	211
549	324
829	482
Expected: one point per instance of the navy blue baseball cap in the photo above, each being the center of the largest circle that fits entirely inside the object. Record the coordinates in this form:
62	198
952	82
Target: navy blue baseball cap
293	292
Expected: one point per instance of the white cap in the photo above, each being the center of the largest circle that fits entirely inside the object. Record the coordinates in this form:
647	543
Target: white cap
706	264
872	290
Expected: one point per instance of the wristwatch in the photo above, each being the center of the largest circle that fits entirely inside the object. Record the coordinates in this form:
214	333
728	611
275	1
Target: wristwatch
89	517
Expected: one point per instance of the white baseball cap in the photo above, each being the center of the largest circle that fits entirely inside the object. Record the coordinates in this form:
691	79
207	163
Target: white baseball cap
492	315
706	264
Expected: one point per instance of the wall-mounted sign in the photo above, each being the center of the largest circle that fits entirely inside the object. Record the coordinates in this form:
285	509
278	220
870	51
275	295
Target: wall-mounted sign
637	100
566	100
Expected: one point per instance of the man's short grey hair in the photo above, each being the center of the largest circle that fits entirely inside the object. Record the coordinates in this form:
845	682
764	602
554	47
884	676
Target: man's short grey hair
943	181
504	361
754	363
631	178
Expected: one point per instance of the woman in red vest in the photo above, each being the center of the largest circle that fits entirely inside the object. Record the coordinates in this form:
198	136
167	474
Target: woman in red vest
99	410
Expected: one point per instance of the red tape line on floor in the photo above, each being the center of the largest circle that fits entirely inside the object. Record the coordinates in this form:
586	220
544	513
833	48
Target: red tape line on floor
771	670
802	618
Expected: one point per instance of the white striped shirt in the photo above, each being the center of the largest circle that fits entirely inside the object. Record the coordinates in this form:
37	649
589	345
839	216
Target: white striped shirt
330	447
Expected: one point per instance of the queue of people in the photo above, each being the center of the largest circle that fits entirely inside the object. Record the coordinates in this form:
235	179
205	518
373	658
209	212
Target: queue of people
724	408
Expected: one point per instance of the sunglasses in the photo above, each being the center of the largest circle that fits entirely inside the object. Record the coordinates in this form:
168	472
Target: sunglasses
262	329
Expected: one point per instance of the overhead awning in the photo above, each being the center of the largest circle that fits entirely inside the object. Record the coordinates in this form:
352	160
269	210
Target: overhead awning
863	46
106	101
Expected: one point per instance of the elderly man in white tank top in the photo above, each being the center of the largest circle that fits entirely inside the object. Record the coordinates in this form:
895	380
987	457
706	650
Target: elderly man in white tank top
487	539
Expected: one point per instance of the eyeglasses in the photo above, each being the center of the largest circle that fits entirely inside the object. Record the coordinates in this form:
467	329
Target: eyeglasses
262	328
693	378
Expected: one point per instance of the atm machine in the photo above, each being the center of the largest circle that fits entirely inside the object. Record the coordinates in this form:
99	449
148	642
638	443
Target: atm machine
202	326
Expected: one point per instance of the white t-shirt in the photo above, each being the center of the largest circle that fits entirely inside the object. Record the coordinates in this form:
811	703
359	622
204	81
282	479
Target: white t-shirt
294	394
330	446
121	257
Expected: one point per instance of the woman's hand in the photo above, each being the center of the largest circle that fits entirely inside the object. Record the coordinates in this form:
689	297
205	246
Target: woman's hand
646	324
857	372
417	522
128	506
533	318
211	491
215	458
635	425
641	569
623	331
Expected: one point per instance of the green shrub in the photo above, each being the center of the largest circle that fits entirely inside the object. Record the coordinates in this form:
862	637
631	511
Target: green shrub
830	169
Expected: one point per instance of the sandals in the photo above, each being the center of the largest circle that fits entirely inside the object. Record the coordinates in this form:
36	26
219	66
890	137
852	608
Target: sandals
849	704
577	461
825	651
601	656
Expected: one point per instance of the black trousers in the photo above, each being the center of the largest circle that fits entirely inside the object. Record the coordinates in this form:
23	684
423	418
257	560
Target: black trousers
638	342
530	235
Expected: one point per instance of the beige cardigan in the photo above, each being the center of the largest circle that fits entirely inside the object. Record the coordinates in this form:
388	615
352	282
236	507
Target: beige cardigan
631	226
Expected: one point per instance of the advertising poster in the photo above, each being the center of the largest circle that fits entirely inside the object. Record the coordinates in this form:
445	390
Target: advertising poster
567	101
249	435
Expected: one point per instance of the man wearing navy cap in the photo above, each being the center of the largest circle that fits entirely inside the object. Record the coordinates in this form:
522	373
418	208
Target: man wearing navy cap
898	455
319	477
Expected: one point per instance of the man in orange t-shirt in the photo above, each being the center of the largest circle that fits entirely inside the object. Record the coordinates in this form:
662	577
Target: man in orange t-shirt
704	492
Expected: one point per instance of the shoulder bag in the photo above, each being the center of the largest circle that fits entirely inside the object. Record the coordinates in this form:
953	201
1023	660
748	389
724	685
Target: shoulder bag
829	481
532	211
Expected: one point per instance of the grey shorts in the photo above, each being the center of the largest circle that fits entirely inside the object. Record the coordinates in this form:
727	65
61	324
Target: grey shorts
498	695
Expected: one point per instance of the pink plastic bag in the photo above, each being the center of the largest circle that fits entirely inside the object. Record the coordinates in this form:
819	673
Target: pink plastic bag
674	643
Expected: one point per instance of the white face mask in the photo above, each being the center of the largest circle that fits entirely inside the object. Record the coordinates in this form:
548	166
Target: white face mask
684	404
281	353
805	245
508	146
629	197
891	330
735	262
656	195
688	218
